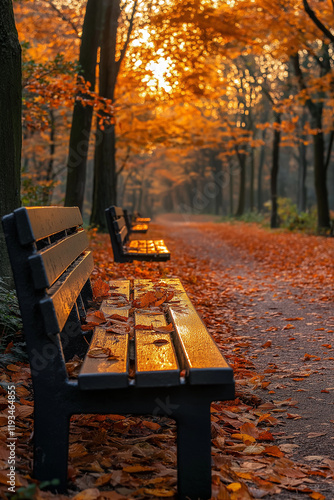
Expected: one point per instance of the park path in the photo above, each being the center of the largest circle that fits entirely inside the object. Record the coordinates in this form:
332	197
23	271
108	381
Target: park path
283	324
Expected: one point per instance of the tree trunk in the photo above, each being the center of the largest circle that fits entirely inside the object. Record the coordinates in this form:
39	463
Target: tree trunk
82	115
48	189
252	178
10	123
302	171
320	165
274	174
105	176
242	185
260	175
320	171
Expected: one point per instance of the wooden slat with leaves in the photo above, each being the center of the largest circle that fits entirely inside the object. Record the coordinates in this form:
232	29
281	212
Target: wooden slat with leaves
156	361
196	348
62	296
47	265
103	373
36	223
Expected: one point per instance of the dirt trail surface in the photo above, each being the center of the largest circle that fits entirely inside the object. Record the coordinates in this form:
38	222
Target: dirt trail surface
280	290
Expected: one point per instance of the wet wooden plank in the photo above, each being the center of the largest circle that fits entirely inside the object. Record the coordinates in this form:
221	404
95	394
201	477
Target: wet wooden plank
47	265
36	223
141	220
139	228
156	361
102	373
62	295
195	347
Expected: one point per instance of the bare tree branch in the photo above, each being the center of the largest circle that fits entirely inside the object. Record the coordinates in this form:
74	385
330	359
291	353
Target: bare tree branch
63	17
317	22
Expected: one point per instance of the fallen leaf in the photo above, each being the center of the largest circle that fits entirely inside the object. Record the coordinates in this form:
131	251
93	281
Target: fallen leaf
89	494
160	341
159	492
138	468
311	435
101	352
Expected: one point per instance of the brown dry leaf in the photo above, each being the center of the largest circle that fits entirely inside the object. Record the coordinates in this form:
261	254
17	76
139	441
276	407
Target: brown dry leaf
245	438
118	317
164	329
96	318
274	451
266	436
293	319
311	435
118	329
267	344
317	496
250	429
138	468
160	341
289	326
160	301
161	492
151	425
89	494
4	479
77	450
144	327
147	299
101	352
295	416
24	411
100	289
13	368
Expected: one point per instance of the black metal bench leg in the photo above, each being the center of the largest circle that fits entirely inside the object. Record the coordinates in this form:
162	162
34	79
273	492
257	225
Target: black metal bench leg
194	452
51	439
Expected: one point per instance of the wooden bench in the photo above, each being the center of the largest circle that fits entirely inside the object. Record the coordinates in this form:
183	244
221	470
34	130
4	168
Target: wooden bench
126	250
133	226
147	369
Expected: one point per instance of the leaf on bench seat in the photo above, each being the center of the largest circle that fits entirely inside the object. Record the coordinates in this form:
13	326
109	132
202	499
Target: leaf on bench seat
100	289
119	329
144	327
160	341
101	352
95	318
118	317
163	329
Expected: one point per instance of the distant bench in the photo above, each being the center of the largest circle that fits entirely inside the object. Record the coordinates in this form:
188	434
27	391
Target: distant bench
133	225
176	370
126	250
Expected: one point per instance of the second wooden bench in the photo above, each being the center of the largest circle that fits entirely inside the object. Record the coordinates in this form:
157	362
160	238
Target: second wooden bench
126	250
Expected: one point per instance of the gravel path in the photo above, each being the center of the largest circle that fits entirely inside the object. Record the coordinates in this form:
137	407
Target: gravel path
288	335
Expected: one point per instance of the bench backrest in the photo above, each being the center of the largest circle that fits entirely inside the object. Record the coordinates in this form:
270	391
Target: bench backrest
51	265
118	230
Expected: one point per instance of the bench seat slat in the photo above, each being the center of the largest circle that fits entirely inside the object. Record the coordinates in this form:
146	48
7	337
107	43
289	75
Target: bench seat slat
156	363
102	373
142	220
139	228
203	360
57	306
36	223
47	265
